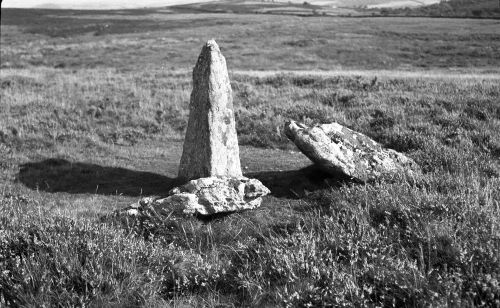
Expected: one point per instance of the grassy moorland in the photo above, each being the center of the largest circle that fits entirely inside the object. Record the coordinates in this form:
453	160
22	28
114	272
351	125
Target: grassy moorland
142	40
89	123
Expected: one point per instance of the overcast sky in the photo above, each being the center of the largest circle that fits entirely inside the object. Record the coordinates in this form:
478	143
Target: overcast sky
93	4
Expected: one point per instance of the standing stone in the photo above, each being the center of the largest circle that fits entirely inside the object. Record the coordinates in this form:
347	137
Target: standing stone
211	144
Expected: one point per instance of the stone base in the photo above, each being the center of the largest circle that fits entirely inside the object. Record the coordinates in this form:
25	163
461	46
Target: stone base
205	196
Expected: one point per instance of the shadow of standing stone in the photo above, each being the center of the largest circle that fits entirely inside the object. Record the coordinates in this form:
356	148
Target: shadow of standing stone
60	175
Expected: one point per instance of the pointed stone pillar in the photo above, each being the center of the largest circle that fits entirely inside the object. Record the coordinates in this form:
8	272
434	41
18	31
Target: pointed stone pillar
211	144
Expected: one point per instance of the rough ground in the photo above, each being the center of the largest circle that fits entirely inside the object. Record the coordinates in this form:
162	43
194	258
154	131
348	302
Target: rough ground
92	115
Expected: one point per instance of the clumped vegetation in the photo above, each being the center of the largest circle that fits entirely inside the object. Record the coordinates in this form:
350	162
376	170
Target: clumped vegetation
100	107
433	240
81	140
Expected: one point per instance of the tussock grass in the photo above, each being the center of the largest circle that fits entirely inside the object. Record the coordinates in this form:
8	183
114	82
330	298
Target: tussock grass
386	244
92	114
432	240
107	106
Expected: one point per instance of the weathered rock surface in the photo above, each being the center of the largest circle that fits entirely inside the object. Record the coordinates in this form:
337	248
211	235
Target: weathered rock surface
211	144
342	151
205	196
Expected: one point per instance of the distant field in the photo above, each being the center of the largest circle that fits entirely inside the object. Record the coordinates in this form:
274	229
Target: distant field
368	3
450	8
85	5
397	4
93	111
434	8
155	38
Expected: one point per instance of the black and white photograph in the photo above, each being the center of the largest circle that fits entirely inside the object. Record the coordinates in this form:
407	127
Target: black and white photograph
250	153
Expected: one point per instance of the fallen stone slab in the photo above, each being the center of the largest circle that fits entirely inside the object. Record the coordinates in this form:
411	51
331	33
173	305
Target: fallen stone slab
341	151
205	196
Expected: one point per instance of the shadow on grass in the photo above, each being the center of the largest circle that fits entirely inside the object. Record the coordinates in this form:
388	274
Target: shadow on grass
295	184
59	175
